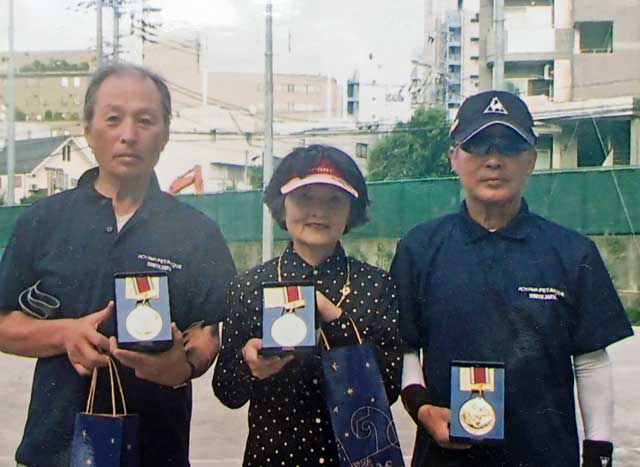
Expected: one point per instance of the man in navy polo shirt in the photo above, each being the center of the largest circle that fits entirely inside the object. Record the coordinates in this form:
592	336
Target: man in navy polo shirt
495	282
71	244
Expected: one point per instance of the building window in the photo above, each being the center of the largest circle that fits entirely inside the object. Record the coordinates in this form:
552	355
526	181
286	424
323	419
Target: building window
76	82
291	88
595	36
17	181
352	89
362	150
352	107
539	87
64	82
55	181
66	153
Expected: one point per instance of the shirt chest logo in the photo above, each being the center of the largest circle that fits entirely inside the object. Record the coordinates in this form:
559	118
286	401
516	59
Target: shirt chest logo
541	293
161	264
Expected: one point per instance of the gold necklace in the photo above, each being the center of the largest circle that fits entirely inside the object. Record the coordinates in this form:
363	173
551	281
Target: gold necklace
345	290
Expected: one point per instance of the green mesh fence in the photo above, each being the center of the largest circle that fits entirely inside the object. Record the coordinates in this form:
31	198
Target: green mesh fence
593	201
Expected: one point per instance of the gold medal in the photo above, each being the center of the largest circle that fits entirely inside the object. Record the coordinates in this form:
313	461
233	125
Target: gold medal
477	416
289	330
144	322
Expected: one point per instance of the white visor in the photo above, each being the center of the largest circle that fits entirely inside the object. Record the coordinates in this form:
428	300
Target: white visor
324	179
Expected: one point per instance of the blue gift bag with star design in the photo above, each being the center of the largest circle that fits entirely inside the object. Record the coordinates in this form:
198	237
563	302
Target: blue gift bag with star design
105	440
361	418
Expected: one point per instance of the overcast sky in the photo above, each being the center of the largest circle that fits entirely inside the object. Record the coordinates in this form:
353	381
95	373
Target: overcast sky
310	36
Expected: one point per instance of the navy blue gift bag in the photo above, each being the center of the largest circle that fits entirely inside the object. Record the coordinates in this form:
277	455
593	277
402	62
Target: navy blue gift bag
105	440
357	402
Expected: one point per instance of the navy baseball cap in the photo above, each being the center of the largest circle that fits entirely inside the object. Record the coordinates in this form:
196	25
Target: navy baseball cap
492	108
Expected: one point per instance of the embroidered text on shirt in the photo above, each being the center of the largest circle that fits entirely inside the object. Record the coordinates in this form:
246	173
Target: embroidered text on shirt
542	293
162	264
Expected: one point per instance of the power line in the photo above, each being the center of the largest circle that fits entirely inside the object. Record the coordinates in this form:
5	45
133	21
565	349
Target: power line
197	95
177	49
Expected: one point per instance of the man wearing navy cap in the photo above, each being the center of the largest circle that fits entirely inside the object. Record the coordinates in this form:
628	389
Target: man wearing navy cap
497	283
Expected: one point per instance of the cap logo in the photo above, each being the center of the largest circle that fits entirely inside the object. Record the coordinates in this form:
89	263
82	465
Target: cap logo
325	166
495	107
604	461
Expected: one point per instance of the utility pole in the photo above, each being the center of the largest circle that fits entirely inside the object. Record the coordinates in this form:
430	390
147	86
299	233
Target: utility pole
116	31
267	158
99	54
10	198
147	26
498	61
204	66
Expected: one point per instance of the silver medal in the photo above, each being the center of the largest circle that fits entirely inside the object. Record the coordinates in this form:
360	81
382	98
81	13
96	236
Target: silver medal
144	322
289	330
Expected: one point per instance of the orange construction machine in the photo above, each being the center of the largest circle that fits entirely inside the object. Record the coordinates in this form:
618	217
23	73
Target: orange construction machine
192	177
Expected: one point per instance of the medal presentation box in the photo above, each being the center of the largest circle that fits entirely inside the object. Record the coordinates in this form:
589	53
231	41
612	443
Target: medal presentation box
477	402
143	315
288	317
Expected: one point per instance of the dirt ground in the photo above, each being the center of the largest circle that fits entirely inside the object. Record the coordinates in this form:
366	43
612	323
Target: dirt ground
218	434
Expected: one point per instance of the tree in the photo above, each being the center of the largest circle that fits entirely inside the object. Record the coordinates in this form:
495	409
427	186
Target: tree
20	116
34	197
254	174
416	149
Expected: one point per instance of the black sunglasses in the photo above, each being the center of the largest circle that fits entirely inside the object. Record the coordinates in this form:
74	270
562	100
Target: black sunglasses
508	146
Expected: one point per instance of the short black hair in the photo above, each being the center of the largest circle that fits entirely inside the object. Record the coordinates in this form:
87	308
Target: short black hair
120	69
299	163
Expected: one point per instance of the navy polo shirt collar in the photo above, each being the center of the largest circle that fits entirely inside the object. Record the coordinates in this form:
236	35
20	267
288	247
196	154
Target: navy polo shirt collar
518	229
88	179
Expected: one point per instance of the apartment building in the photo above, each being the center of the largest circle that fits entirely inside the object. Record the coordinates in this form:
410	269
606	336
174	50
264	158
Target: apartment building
449	69
50	85
577	64
371	100
179	59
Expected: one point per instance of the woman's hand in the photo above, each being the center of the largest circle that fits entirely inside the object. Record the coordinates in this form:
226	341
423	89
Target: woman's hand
328	311
262	367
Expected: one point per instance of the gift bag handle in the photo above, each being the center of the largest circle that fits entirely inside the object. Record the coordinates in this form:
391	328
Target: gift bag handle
94	382
355	328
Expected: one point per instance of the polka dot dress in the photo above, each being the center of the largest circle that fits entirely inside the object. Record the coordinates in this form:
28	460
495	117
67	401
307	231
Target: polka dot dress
288	422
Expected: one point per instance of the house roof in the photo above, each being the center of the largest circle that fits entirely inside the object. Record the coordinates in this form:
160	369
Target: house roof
30	152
